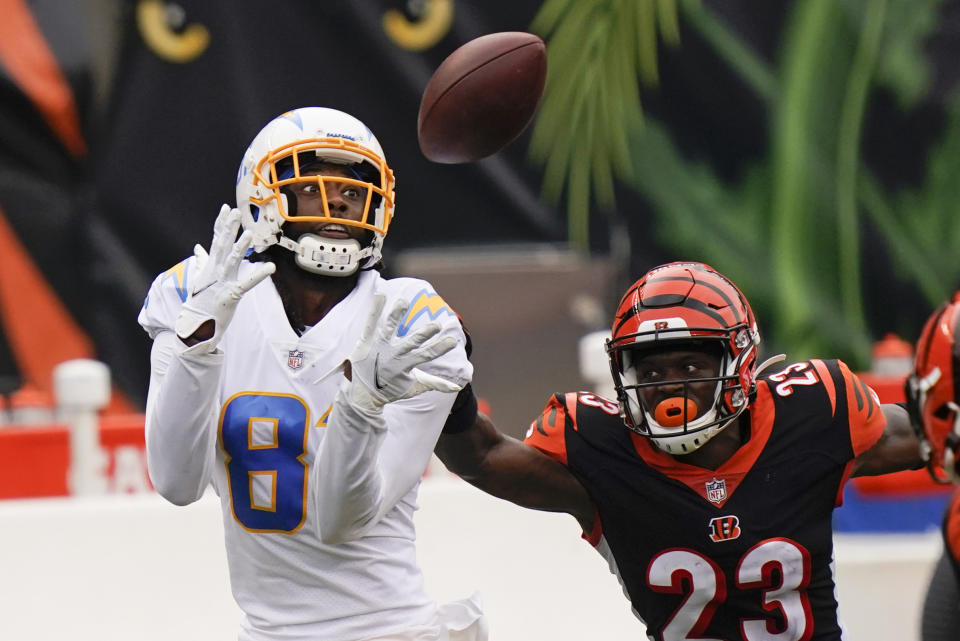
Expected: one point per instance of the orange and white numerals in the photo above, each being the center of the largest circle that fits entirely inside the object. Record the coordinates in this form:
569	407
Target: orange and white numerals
608	406
668	572
786	381
779	568
789	595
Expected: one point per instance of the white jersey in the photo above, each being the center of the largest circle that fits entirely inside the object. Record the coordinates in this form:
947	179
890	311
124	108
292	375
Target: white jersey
257	440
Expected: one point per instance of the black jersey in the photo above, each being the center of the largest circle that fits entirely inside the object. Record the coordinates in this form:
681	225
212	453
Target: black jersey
940	617
951	531
741	553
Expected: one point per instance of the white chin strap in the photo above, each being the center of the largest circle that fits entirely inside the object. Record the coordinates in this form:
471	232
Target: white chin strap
327	256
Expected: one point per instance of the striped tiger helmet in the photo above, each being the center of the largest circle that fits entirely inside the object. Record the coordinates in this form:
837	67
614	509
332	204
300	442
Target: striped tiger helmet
684	306
932	389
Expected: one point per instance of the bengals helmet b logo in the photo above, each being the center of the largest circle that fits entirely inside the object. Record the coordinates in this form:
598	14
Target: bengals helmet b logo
724	528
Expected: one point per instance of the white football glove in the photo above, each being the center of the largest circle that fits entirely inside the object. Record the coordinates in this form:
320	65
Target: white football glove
384	366
216	289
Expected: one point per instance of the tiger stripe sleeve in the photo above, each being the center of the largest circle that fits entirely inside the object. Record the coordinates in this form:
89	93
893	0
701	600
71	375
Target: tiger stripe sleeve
547	432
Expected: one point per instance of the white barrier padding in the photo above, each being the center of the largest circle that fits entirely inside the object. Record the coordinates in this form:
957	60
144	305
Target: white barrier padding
135	567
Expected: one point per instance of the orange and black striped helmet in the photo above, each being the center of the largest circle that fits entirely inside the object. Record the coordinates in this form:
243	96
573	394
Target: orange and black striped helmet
932	389
678	305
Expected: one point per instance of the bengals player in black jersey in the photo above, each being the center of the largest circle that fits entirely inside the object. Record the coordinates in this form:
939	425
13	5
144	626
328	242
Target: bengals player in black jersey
932	399
706	484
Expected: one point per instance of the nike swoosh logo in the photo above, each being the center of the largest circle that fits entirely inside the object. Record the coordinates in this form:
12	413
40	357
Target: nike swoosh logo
204	288
376	372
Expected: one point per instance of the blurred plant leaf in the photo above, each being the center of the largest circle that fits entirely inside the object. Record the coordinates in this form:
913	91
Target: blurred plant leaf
902	65
852	111
788	228
922	225
698	215
812	173
754	71
598	51
728	226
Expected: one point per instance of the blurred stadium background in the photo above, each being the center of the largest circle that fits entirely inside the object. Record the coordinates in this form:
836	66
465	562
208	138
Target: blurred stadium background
807	148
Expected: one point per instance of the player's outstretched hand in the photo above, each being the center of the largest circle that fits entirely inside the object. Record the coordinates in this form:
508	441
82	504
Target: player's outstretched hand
217	288
384	366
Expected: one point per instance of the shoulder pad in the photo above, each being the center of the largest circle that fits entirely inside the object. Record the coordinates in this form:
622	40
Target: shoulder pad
166	295
425	305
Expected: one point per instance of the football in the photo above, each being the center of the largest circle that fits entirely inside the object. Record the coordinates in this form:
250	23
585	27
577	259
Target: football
481	97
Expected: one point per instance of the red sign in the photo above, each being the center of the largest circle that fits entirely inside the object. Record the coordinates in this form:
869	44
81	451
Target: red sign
34	460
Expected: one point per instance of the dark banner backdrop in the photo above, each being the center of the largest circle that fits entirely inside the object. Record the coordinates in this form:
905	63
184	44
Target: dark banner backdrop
168	96
122	123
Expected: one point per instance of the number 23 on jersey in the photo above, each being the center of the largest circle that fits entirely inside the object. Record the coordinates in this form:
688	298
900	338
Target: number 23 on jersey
681	571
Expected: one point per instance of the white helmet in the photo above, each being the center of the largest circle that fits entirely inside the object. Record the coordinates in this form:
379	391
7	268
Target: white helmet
314	133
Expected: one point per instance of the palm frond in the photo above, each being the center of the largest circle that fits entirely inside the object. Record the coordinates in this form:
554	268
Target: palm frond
599	51
789	228
903	65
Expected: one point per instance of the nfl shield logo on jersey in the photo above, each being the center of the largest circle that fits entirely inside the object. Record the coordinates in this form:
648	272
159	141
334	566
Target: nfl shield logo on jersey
294	359
716	490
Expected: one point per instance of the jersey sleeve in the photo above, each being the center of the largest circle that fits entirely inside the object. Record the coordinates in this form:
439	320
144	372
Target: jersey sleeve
369	461
547	432
864	415
181	419
165	297
182	400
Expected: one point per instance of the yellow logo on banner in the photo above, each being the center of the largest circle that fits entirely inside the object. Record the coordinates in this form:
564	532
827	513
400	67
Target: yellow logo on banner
430	26
155	22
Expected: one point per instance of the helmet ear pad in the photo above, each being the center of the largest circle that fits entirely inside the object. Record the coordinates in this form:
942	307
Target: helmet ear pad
289	200
744	366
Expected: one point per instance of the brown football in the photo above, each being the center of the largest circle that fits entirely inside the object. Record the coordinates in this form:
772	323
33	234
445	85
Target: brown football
481	97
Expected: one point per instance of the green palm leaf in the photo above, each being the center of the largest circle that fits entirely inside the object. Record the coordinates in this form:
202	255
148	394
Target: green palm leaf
598	53
789	228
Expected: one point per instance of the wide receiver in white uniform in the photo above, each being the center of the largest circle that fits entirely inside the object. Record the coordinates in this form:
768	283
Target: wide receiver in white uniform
311	399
